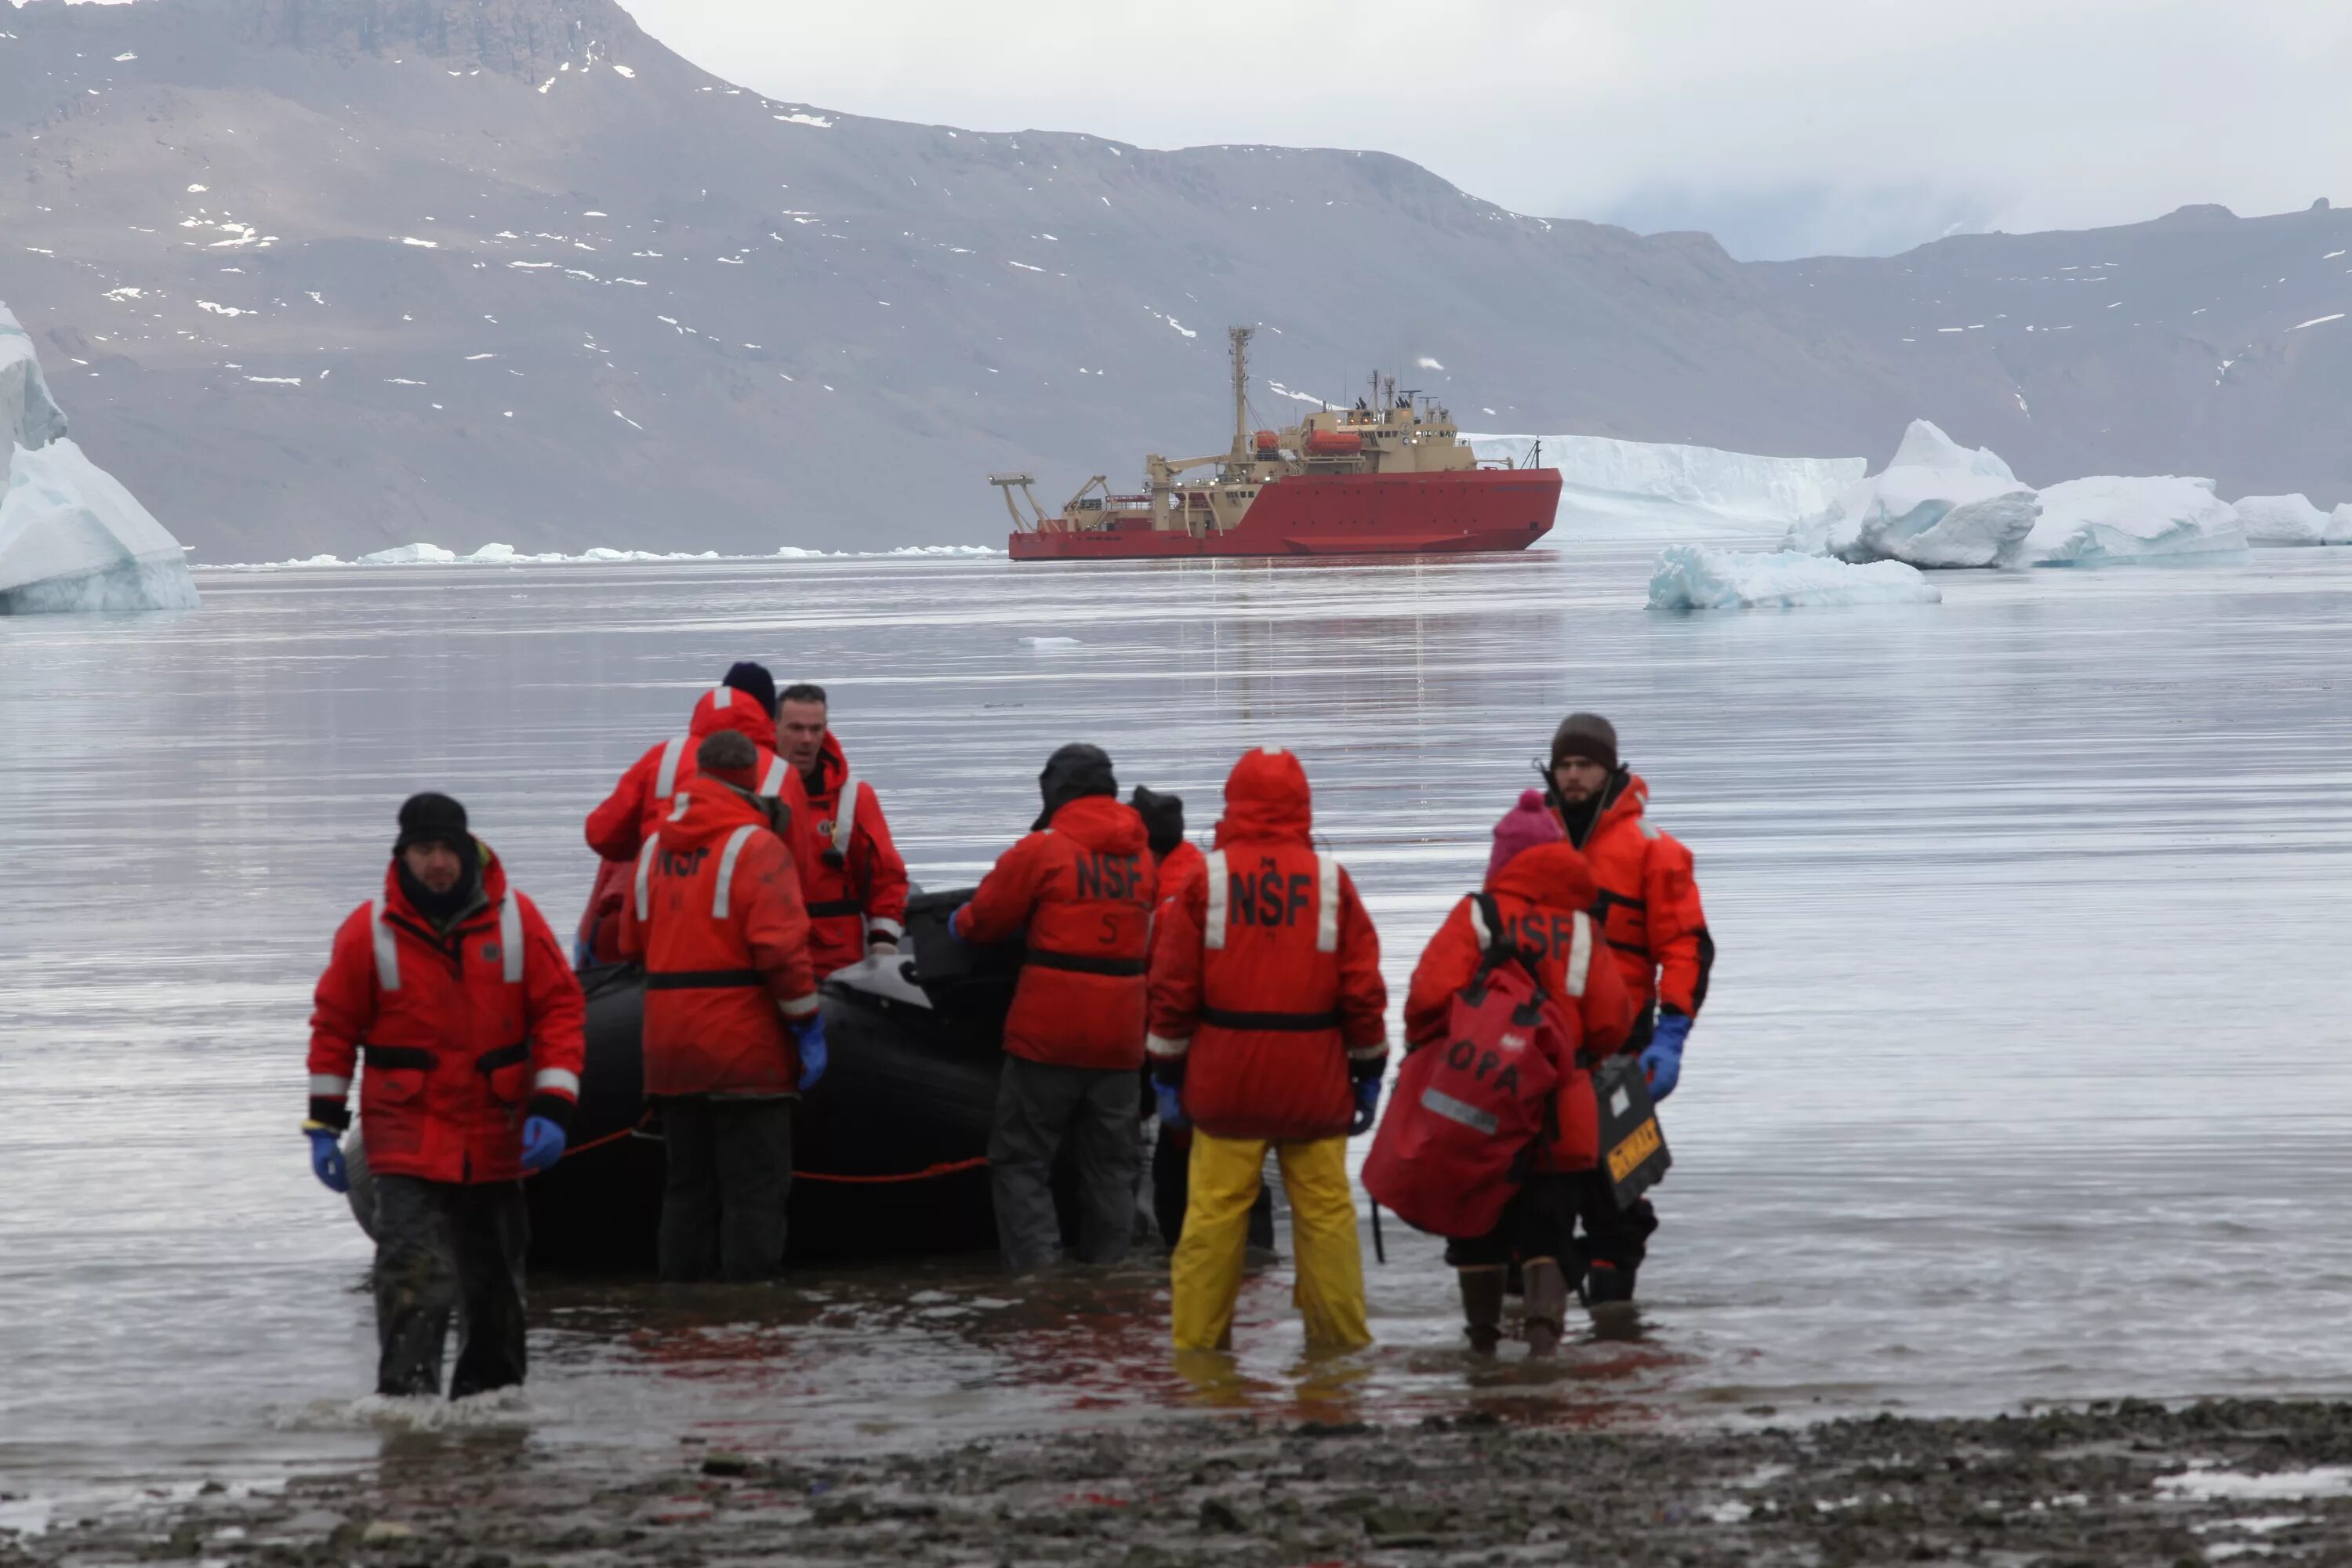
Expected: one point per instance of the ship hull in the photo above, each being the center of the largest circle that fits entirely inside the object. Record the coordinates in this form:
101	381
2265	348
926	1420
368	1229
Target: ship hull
1474	509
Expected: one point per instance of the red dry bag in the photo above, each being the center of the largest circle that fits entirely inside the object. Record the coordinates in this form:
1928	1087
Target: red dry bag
1459	1132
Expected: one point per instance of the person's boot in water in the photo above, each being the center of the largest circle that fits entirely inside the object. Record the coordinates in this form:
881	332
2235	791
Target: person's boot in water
1547	1297
1482	1309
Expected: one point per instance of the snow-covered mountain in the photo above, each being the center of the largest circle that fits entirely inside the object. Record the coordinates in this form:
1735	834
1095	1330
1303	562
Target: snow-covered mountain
332	275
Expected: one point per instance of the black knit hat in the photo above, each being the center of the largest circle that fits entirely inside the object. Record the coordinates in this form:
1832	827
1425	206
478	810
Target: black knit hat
754	682
431	818
1587	735
1163	817
1072	774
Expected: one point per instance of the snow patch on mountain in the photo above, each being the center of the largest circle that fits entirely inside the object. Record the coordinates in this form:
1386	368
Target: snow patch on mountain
1645	489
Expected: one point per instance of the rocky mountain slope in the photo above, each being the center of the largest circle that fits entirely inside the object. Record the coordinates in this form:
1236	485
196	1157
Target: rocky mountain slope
338	274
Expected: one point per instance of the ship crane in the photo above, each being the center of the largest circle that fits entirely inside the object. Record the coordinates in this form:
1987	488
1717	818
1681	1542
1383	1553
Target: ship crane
1007	483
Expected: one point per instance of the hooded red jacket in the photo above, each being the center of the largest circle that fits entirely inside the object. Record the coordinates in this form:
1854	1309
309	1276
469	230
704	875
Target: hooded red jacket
716	918
618	828
1648	906
1543	895
1266	971
1083	888
464	1034
851	874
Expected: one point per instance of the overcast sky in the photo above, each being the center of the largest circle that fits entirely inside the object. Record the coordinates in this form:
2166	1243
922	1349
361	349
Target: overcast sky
1785	127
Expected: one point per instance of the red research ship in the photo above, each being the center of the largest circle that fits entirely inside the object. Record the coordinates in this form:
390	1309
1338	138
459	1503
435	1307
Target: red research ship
1379	478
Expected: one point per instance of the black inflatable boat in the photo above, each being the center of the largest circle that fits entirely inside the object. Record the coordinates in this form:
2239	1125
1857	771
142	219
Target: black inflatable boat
889	1150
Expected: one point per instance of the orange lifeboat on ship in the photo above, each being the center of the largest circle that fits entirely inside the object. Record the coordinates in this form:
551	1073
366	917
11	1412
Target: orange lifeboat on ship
1333	444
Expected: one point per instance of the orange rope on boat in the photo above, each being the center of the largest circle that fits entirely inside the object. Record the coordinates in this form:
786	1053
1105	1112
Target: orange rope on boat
951	1167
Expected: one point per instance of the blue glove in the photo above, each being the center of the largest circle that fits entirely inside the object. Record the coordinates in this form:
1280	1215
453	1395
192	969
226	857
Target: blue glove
956	919
811	1036
1368	1105
542	1144
1172	1105
327	1160
1662	1058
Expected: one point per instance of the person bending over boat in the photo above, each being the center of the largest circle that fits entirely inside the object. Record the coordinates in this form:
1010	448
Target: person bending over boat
732	1034
1268	1030
453	991
851	874
1651	923
745	702
1079	889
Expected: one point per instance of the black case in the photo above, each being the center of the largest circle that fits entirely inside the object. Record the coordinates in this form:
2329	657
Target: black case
1633	1153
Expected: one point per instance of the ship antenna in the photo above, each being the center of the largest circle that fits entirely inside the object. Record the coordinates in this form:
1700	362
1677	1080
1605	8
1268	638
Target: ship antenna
1241	337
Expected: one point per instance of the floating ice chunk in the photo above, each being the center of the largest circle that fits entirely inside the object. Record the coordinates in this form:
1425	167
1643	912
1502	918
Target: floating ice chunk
1699	577
1936	504
1654	489
29	416
1046	644
72	538
2281	519
2339	526
2109	517
406	556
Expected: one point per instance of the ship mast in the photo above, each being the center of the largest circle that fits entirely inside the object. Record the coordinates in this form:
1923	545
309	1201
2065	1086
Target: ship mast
1241	337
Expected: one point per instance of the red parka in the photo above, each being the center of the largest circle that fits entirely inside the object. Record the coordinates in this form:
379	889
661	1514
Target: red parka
617	829
1649	907
1543	895
1083	887
716	918
851	874
464	1034
1266	973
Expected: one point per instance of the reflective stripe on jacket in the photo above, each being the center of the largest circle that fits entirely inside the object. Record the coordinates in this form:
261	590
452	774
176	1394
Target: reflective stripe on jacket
1266	978
714	915
1083	888
462	1036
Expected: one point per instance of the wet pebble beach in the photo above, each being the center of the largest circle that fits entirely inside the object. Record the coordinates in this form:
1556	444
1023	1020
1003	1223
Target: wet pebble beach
2123	1483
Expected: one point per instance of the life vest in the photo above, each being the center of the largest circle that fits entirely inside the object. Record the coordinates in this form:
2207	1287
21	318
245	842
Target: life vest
1648	905
616	828
457	1032
714	915
1468	1112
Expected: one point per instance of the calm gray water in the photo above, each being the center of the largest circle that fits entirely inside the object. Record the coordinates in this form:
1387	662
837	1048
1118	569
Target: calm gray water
2022	1077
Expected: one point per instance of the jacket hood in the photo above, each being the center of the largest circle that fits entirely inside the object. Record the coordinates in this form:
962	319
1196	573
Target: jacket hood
705	809
1266	797
397	901
724	707
1552	875
1100	822
1633	797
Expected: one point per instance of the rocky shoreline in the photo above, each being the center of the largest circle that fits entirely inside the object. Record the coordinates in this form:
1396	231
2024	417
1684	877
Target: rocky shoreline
2126	1483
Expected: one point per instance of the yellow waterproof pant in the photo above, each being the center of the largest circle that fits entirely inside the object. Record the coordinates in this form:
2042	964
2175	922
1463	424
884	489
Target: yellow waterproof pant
1207	1268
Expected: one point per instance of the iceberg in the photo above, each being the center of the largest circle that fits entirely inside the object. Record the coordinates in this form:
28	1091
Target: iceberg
2339	526
1645	489
1697	577
71	537
1938	504
2281	520
2111	517
405	555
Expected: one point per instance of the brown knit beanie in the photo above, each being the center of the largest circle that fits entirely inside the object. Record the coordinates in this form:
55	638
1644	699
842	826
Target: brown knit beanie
1587	735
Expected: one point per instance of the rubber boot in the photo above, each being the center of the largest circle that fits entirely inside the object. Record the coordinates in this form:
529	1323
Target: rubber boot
1547	1296
1609	1293
1482	1308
